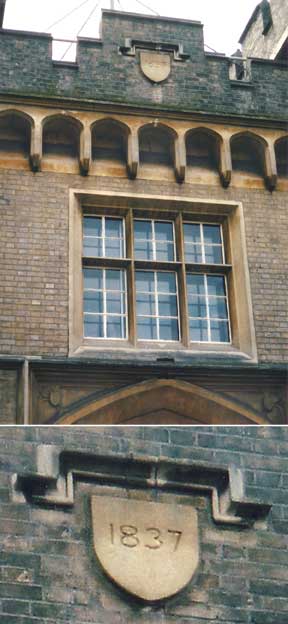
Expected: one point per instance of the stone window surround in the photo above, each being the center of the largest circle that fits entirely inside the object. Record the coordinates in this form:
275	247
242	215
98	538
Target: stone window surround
240	302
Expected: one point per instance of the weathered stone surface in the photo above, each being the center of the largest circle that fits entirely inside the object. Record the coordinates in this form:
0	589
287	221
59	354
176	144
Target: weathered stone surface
149	549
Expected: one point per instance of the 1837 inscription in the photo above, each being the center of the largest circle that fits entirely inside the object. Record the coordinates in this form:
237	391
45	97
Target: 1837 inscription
129	536
149	548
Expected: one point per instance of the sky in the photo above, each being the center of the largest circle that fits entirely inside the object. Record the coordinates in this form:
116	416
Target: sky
224	20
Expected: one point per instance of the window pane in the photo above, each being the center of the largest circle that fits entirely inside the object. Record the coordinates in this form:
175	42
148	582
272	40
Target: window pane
115	303
116	327
212	234
168	329
213	254
147	328
113	228
165	251
167	305
93	326
92	226
145	281
145	304
197	307
192	233
217	308
166	282
198	330
93	301
193	253
142	230
143	250
113	248
195	284
93	278
114	280
216	285
163	231
92	247
219	331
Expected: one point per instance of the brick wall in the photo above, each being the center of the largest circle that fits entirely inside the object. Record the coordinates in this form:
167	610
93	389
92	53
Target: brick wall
48	570
34	257
201	83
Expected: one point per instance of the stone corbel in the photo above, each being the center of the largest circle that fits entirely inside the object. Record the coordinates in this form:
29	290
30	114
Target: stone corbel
132	154
225	162
85	150
180	158
270	168
36	146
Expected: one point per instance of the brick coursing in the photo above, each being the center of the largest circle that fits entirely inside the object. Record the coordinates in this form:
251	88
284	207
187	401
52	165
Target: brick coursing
48	571
199	84
34	257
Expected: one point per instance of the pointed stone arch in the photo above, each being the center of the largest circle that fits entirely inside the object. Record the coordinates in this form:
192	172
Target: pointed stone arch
176	401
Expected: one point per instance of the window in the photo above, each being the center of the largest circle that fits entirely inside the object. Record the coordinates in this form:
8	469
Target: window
159	275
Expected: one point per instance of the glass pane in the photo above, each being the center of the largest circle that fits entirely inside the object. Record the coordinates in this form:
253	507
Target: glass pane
219	331
93	326
144	281
143	250
167	305
116	327
146	328
166	282
146	304
192	233
165	251
113	248
114	280
168	329
163	231
143	230
213	254
198	330
92	247
115	303
212	234
197	307
216	285
217	308
113	228
92	226
93	301
195	284
193	253
93	278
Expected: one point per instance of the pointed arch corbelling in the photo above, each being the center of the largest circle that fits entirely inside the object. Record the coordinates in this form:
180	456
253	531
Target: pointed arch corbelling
248	153
109	137
190	401
15	132
157	144
61	136
281	155
203	148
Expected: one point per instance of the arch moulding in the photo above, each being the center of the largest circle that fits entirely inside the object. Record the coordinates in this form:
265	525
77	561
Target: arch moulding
153	402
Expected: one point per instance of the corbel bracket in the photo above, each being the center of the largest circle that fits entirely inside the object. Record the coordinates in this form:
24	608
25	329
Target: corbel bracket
53	482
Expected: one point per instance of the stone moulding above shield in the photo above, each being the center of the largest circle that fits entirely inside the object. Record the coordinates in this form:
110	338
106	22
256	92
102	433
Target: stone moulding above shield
56	473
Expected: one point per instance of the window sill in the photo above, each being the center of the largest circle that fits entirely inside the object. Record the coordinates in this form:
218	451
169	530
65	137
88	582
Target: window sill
165	355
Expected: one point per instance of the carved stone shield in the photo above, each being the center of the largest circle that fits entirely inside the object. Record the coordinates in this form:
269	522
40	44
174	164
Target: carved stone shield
155	66
149	549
